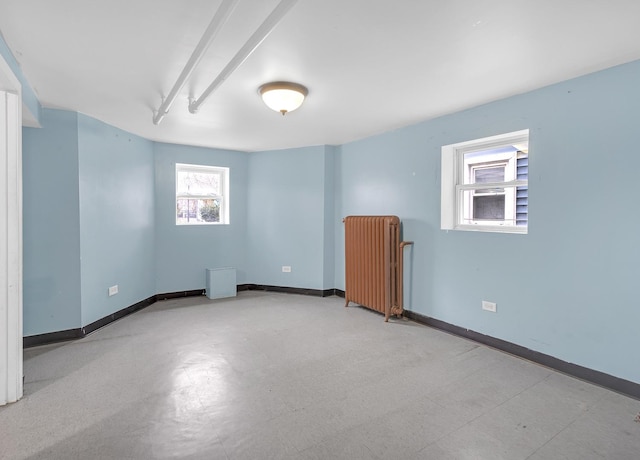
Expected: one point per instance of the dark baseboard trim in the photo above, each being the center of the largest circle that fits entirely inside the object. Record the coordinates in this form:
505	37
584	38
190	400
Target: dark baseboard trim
89	328
617	384
329	292
74	334
51	337
287	290
177	295
339	293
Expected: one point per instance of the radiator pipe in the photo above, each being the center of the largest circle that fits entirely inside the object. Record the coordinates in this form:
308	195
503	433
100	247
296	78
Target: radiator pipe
401	273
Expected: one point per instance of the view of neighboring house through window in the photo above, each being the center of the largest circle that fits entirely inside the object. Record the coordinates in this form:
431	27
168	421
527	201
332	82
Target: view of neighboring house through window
485	184
202	195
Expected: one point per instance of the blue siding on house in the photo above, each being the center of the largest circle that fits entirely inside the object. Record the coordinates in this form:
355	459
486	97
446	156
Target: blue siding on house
522	193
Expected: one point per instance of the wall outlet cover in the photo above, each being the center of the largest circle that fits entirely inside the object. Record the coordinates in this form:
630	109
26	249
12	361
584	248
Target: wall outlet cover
113	290
286	268
489	306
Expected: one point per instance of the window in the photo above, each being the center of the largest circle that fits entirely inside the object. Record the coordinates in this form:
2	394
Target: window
485	184
202	195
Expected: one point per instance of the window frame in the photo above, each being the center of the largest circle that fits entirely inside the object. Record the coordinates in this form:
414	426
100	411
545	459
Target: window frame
223	198
453	183
507	160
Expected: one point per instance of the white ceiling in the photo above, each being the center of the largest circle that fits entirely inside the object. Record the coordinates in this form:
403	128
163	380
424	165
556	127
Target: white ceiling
370	65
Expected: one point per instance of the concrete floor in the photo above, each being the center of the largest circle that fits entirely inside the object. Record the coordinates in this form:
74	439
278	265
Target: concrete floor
284	376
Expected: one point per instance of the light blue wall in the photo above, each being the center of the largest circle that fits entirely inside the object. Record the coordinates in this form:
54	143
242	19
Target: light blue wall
569	287
329	260
286	217
88	221
117	225
29	100
184	252
51	224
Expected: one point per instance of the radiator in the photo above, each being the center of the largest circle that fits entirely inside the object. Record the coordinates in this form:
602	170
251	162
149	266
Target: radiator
373	263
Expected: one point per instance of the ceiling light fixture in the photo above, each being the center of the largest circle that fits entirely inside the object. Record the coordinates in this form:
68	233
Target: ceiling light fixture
283	96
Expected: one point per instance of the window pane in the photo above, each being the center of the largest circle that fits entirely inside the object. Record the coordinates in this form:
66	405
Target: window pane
198	183
197	211
490	174
186	211
209	210
486	175
488	207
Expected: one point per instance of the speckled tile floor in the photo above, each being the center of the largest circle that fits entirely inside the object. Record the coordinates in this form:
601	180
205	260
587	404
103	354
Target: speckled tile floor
281	376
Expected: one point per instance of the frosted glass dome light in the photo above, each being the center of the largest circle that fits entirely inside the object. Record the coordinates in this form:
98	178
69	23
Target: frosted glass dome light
283	96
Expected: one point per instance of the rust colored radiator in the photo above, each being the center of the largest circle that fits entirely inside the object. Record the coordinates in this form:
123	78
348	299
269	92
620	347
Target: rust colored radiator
373	263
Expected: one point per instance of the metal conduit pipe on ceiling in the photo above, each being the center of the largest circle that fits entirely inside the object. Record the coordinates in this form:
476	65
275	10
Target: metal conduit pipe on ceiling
218	21
249	47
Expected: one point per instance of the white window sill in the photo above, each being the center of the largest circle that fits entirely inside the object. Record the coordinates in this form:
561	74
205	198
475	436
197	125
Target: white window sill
195	224
492	229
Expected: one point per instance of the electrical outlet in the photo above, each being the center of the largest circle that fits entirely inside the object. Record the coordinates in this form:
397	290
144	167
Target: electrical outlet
489	306
286	268
113	290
